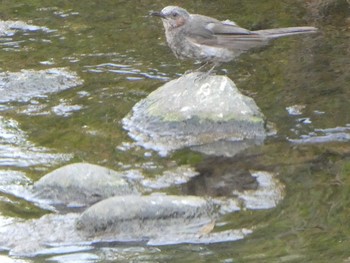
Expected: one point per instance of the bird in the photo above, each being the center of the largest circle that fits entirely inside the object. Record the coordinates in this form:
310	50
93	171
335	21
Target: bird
210	41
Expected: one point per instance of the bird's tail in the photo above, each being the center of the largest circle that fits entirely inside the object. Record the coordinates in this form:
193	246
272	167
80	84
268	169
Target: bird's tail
287	31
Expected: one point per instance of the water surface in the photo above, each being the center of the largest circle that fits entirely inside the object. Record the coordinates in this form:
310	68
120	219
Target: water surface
301	84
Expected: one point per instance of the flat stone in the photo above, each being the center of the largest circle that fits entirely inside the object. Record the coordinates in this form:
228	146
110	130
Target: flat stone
146	216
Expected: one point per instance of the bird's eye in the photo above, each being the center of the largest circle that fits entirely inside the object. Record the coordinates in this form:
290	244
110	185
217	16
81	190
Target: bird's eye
174	15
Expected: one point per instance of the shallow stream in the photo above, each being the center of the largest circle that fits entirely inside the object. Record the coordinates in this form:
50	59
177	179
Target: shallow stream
118	55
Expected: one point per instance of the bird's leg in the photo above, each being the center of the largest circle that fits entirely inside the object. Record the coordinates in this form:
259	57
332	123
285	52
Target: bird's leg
202	66
204	75
199	70
215	64
211	70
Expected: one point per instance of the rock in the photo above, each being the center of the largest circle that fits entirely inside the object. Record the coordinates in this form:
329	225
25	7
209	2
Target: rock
144	217
27	84
179	220
268	194
195	111
82	184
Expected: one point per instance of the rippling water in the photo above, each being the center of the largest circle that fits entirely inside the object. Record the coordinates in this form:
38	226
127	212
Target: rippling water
301	84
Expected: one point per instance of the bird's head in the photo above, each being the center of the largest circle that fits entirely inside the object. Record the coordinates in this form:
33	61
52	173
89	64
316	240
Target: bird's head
173	16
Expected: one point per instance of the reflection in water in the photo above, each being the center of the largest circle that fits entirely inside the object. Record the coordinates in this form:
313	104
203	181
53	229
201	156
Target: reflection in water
28	84
127	70
9	28
16	151
116	48
338	134
64	109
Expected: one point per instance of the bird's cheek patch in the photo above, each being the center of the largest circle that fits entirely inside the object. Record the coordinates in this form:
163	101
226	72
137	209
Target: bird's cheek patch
180	21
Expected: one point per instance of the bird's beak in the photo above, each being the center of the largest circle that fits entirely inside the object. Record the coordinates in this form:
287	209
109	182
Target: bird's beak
159	14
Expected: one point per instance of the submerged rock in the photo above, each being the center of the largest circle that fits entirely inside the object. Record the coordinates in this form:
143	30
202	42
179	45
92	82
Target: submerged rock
268	194
26	84
82	184
10	27
196	111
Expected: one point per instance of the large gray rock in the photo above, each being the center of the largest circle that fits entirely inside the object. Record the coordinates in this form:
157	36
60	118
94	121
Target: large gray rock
196	111
82	184
138	217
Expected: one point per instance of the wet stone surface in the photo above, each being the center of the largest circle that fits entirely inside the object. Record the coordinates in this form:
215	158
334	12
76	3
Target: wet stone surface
143	217
119	212
206	112
82	184
27	84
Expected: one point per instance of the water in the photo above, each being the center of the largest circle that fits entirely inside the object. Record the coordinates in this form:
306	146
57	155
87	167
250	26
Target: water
120	54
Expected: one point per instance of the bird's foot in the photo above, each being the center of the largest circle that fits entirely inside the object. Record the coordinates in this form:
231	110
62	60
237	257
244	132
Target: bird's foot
189	71
198	70
203	75
203	72
203	66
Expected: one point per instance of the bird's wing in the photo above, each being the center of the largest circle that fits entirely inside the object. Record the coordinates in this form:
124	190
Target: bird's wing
209	31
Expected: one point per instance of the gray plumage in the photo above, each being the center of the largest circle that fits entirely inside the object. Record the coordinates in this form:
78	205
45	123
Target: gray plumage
207	39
